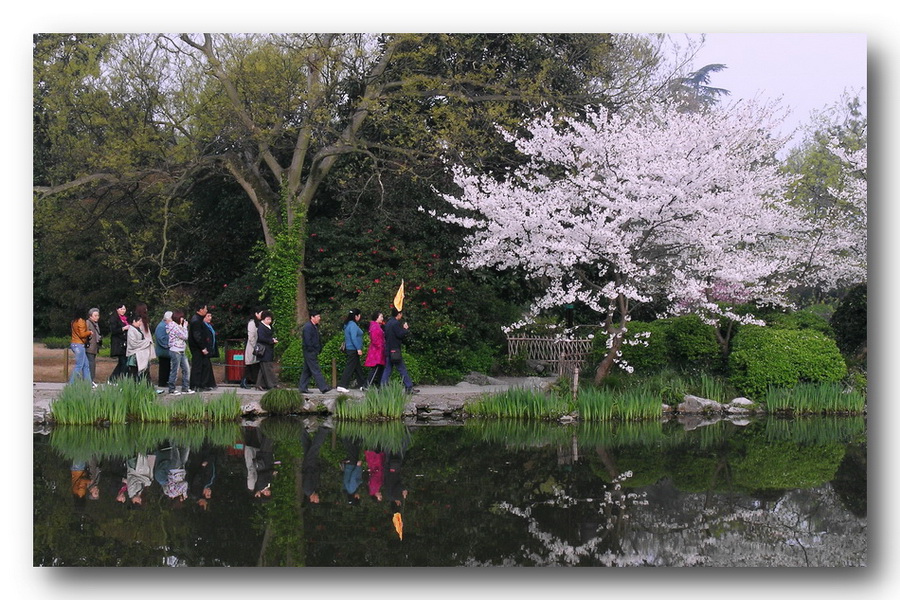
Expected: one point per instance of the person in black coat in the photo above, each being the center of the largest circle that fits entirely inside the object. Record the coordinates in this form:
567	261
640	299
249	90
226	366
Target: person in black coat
198	342
312	347
394	333
118	331
265	337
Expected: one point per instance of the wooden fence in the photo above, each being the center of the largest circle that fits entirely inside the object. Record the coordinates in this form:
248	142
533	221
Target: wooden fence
561	356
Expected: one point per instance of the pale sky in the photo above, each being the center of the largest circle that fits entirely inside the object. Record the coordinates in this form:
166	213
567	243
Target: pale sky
808	71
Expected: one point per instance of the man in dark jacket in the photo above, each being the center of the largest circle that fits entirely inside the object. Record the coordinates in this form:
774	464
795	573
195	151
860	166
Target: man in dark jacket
312	347
394	332
198	340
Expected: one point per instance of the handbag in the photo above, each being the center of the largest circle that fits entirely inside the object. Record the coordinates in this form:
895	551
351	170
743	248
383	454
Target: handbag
396	357
259	350
132	360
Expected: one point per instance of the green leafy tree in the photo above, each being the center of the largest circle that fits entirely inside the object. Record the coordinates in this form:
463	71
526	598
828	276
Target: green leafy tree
277	113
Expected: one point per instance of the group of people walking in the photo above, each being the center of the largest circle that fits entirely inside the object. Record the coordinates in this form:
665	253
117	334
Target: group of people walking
134	345
382	357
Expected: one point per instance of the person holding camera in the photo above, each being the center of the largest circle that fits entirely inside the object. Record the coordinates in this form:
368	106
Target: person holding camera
178	335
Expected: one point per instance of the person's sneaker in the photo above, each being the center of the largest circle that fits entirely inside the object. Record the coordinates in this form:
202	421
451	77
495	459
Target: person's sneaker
342	390
175	392
187	391
160	391
363	389
94	386
412	391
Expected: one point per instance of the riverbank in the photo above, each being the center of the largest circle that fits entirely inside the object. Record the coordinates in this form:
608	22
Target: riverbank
432	401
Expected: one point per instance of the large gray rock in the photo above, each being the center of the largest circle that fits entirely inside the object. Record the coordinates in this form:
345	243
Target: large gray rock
695	405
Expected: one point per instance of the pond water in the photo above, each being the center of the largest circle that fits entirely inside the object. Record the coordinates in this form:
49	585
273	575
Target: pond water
285	492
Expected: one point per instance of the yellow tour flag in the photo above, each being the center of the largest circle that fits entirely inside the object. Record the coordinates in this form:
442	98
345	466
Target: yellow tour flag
398	297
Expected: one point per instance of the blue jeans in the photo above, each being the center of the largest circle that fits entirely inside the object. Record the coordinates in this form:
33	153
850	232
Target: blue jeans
179	361
82	368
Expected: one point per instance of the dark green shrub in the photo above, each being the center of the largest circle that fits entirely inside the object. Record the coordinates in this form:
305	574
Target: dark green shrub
692	344
850	319
763	356
646	354
800	319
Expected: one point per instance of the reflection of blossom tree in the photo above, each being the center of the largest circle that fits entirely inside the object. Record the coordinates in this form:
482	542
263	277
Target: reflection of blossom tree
613	507
803	528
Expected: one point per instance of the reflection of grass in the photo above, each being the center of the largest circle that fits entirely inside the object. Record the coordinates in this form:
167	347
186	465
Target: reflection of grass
815	430
78	442
129	400
389	436
514	433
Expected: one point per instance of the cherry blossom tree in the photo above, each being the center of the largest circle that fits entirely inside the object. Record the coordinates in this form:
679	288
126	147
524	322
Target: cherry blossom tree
684	210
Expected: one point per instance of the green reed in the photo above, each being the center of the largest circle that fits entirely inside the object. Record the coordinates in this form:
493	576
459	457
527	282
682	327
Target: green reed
282	401
224	407
128	400
385	402
78	404
632	403
814	398
521	403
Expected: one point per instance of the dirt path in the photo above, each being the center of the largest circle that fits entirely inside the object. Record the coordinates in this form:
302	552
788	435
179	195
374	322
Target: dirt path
53	365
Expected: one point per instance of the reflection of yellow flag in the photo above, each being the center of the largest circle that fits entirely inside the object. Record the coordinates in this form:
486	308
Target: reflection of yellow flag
398	297
398	524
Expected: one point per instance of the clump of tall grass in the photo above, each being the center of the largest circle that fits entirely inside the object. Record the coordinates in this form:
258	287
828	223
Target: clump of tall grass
282	401
521	403
385	402
632	403
224	407
814	398
78	404
128	400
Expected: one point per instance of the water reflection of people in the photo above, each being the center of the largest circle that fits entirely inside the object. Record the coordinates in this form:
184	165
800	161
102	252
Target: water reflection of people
394	489
85	481
201	469
170	472
375	468
311	466
138	477
351	466
259	457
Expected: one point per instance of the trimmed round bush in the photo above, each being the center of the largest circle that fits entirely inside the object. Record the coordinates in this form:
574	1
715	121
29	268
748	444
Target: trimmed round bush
763	357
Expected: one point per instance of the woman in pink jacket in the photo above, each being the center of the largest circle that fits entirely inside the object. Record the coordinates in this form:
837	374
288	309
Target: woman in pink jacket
375	356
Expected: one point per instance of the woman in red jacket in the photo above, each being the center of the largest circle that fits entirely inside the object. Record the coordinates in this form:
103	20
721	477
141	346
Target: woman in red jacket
375	356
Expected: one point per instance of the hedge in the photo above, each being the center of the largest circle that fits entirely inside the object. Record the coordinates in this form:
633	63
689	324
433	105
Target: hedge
763	356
